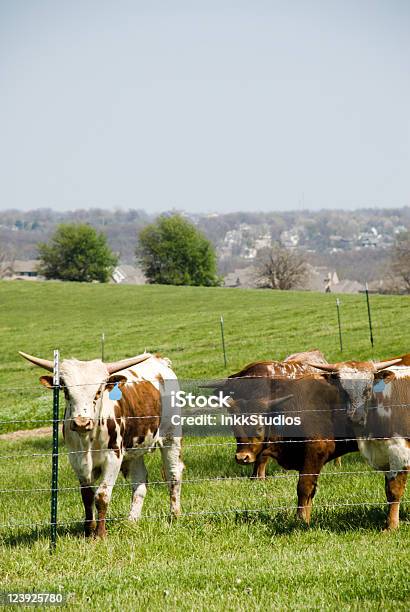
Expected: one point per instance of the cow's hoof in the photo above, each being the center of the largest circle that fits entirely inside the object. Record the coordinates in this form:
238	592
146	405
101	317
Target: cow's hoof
301	522
390	528
89	529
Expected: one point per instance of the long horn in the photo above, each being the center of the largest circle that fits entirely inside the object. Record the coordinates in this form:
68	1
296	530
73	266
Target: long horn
216	383
380	365
326	367
116	366
43	363
278	400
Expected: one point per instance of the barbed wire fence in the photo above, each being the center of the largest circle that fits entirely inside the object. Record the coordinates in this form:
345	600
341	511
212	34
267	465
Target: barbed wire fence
55	489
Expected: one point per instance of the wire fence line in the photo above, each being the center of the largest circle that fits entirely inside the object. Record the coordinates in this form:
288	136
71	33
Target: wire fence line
216	479
52	490
216	381
165	516
219	479
137	417
136	449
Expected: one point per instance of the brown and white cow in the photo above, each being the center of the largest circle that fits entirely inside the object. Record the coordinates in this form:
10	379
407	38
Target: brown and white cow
378	396
104	435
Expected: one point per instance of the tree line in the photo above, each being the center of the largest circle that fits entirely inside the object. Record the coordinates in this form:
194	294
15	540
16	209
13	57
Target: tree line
173	251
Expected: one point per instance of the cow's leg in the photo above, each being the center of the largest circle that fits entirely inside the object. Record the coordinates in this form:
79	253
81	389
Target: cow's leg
103	494
88	494
259	467
314	461
173	466
338	462
138	475
306	490
394	492
82	464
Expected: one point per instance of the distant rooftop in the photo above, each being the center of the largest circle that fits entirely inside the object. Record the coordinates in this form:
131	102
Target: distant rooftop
19	268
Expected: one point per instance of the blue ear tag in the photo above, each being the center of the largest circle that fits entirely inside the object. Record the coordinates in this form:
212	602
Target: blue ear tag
115	393
379	386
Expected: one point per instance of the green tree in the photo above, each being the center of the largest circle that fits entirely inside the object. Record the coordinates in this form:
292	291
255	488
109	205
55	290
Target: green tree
173	252
76	252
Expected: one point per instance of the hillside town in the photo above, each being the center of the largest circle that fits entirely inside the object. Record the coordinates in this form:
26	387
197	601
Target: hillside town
343	249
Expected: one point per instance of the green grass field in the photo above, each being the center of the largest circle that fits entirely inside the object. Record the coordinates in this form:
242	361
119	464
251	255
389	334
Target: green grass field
219	556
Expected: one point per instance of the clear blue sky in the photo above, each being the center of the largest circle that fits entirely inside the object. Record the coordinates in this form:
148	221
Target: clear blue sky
205	106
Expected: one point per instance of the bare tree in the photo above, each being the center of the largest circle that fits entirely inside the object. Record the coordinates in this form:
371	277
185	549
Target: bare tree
6	262
281	268
400	259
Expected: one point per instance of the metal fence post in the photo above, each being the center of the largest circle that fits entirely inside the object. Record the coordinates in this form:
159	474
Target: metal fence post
223	339
102	346
54	464
339	324
369	314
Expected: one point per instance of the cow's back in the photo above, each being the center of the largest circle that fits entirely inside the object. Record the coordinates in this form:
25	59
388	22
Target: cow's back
134	419
313	356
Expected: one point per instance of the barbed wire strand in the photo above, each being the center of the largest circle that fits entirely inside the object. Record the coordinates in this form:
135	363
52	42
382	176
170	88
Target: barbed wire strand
152	447
202	513
210	382
217	479
330	411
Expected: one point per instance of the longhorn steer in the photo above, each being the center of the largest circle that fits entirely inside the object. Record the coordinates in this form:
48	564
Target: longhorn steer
104	436
378	396
309	447
294	366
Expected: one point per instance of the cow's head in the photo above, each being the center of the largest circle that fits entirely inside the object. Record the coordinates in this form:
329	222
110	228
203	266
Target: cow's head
251	438
83	383
355	381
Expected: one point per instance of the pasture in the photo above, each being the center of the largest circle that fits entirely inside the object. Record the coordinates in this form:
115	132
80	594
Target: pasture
222	553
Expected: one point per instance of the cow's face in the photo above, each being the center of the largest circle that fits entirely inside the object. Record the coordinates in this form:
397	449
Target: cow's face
355	381
83	383
356	386
249	439
250	435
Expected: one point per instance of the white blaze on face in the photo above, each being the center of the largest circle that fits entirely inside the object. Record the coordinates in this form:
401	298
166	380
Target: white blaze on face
82	380
358	385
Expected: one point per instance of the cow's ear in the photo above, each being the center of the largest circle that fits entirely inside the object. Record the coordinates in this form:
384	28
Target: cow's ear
115	379
46	381
385	375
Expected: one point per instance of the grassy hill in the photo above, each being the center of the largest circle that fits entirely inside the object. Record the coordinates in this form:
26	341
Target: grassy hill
182	323
238	546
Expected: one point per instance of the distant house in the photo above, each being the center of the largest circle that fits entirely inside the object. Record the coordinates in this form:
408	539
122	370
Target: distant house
290	238
246	278
321	278
317	278
125	274
369	239
20	269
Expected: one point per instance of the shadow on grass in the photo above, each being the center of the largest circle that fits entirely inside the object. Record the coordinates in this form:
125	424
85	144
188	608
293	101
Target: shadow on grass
349	520
30	536
343	521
